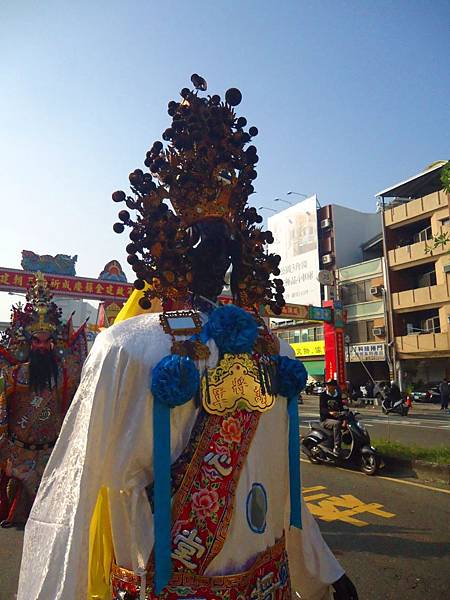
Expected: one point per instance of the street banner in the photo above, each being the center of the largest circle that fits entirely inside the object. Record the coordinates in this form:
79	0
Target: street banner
335	347
12	280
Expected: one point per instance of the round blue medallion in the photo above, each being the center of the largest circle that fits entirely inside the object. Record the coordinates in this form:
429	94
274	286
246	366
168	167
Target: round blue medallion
257	508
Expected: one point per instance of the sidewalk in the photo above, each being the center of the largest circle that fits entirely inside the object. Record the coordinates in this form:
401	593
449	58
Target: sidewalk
416	408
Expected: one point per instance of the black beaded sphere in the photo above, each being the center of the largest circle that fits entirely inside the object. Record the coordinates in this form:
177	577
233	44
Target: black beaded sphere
233	96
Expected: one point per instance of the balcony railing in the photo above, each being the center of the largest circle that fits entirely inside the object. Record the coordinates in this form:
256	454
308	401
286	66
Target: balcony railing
402	257
414	210
424	343
420	297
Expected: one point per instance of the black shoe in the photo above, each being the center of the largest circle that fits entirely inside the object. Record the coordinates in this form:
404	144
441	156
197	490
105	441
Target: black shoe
6	524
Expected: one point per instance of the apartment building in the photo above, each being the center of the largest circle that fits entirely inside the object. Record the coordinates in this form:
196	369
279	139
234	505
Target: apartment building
363	294
418	276
342	230
310	238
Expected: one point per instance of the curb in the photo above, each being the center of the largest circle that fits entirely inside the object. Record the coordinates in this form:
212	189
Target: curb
420	469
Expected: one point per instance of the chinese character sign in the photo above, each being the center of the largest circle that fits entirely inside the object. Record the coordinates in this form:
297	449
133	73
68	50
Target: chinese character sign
316	348
360	352
334	352
340	357
235	382
17	281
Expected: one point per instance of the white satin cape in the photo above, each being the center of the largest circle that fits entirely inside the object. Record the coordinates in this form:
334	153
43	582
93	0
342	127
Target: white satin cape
106	440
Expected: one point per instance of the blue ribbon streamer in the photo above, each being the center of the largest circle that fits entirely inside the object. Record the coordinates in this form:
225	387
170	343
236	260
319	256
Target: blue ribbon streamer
294	463
162	496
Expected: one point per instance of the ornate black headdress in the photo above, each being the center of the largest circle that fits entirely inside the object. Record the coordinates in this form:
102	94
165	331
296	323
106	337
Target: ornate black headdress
205	173
39	315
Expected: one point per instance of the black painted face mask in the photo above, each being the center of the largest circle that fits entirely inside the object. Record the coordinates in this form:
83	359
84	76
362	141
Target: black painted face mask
210	257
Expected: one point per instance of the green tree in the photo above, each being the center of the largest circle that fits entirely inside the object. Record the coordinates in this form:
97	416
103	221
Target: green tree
441	240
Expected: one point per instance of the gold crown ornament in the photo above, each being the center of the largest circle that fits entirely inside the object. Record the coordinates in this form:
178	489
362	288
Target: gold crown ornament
214	203
39	315
44	314
41	325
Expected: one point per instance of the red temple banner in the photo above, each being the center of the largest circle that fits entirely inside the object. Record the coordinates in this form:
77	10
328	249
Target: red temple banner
334	345
62	285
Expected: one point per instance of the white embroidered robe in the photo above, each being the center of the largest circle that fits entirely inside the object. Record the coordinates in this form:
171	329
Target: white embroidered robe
107	440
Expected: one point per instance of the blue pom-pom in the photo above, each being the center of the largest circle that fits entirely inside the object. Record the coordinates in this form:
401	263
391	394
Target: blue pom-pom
292	376
175	380
233	329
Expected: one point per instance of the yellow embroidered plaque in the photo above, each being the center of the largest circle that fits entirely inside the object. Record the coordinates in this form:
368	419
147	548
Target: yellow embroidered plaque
234	383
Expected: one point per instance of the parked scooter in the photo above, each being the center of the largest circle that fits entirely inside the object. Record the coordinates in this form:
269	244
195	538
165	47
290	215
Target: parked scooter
318	444
400	407
394	402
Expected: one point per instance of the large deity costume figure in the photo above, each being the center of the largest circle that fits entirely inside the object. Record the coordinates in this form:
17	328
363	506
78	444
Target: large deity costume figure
176	474
40	361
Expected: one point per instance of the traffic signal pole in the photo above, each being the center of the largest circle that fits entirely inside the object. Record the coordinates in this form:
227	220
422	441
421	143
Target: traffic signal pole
333	317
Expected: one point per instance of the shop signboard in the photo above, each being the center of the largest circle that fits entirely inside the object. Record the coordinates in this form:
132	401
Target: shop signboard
367	352
319	313
315	348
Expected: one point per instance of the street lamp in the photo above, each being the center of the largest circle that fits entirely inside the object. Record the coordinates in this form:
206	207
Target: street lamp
267	208
273	210
298	194
281	200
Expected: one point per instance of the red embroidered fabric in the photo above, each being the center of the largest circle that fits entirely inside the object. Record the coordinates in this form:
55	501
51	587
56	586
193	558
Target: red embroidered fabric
267	578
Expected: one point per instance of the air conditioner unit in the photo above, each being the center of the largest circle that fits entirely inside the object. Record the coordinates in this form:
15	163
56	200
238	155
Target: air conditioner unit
327	259
325	223
379	331
376	290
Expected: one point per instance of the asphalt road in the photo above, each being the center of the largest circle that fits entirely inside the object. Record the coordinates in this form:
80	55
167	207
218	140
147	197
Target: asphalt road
10	555
425	425
391	536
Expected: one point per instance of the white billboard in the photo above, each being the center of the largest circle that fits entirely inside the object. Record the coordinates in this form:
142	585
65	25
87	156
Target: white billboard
296	241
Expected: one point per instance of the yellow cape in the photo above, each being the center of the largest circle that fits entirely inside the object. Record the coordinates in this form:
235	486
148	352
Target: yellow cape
101	552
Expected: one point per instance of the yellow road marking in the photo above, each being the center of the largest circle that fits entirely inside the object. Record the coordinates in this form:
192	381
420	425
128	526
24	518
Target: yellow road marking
420	485
316	497
315	488
343	508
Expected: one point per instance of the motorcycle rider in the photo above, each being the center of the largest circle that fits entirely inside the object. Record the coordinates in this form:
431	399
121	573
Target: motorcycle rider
331	406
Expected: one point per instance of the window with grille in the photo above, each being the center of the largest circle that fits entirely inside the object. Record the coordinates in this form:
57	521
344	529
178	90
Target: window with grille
427	279
319	333
424	235
360	332
431	325
357	291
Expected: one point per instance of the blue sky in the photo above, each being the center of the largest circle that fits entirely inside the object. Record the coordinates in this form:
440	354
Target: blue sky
349	97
